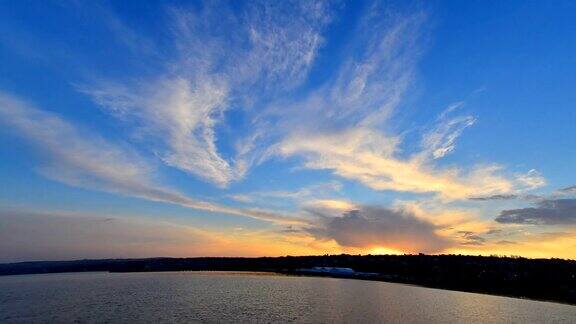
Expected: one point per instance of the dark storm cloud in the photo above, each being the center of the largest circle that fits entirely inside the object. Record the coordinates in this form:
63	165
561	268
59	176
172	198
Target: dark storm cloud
546	212
494	197
381	227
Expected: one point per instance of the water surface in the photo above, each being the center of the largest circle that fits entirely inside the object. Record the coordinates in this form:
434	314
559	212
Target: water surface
185	297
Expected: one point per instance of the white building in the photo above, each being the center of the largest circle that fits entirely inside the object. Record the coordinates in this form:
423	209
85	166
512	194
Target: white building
332	270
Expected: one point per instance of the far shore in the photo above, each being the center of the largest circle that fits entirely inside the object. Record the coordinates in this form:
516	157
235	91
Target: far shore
551	280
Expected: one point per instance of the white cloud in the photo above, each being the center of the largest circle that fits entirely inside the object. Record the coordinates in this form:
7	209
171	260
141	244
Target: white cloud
366	87
81	159
345	126
284	39
367	156
181	115
369	87
441	140
265	49
530	180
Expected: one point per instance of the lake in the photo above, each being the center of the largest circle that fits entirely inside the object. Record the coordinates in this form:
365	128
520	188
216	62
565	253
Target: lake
185	297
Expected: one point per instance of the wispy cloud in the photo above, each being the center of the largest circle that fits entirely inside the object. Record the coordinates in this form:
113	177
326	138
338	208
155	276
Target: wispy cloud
264	49
300	196
180	115
82	159
366	156
441	140
344	126
229	89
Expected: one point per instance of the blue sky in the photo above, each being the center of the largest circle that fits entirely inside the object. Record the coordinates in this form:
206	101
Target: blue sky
261	128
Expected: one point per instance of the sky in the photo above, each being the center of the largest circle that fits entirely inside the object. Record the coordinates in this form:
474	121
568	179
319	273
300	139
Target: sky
269	128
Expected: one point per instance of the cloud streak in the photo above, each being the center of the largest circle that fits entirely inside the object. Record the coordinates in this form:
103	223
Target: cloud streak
494	197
